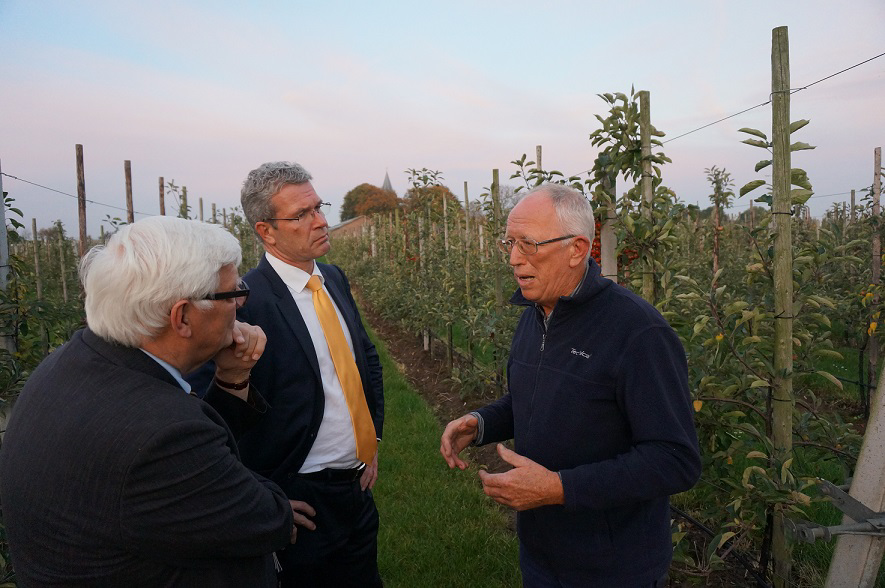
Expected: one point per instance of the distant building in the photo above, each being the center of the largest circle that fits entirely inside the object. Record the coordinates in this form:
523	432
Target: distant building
387	186
349	228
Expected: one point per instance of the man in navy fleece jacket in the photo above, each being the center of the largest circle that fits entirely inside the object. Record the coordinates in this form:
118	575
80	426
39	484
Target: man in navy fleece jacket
598	408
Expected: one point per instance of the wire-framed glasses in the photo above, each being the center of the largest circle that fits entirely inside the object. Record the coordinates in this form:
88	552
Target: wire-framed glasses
526	246
320	208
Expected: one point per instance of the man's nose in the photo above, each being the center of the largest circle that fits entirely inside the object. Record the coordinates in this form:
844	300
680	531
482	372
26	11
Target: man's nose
319	221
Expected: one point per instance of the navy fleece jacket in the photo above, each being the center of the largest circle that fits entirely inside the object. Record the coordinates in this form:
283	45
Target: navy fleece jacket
600	395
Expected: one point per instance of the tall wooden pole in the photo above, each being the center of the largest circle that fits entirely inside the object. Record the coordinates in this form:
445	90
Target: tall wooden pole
538	157
647	261
162	196
8	339
608	241
81	198
61	260
184	213
853	210
466	246
37	259
130	211
201	208
782	380
497	224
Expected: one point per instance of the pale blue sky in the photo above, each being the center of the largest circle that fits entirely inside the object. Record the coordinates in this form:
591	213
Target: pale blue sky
202	92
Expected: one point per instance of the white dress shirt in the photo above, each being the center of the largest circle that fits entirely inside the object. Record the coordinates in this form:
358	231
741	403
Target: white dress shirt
335	445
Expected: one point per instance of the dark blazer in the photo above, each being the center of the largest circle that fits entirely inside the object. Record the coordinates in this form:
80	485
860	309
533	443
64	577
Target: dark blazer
111	475
288	373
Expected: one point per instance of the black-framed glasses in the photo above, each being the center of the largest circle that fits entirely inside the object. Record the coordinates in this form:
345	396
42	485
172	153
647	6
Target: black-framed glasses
241	294
313	212
527	246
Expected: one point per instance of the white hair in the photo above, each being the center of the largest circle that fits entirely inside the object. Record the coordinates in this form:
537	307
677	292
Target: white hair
132	282
573	210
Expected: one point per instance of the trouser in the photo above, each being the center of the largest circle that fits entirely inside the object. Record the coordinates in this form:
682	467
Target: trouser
536	573
343	550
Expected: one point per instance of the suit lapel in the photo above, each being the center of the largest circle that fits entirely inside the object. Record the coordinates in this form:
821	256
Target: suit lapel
289	310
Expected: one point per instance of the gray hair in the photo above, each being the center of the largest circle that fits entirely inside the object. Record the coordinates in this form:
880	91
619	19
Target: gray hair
263	182
132	282
573	210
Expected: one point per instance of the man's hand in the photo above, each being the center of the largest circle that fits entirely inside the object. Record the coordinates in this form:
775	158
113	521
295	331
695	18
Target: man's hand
458	434
527	485
370	474
234	362
299	507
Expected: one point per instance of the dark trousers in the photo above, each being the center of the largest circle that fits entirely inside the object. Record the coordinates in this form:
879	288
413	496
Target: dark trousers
537	573
343	550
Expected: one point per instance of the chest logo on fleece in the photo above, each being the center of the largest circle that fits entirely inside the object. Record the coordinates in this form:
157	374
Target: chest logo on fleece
583	354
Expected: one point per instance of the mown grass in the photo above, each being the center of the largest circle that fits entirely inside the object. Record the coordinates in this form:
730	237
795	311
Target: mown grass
437	527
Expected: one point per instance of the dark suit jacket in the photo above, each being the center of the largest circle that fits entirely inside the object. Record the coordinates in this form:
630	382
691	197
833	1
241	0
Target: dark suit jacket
288	373
111	475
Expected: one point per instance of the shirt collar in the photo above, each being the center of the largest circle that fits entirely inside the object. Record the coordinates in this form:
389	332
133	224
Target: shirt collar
295	278
173	371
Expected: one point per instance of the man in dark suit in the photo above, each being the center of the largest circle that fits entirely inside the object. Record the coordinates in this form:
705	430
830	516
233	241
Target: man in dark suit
111	473
318	439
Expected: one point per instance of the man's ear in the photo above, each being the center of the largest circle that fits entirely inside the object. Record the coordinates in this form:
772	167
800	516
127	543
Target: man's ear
264	232
180	318
580	250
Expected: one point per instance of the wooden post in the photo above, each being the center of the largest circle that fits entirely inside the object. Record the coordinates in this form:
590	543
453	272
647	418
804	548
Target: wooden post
37	259
853	209
445	223
647	261
497	224
782	381
38	274
81	198
130	211
61	259
466	246
372	239
214	216
162	197
8	338
607	240
201	208
184	213
538	158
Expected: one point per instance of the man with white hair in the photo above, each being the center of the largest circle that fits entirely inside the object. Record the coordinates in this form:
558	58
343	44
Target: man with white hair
111	472
597	405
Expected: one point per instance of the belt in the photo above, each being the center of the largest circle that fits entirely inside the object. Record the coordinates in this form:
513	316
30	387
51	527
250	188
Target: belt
333	475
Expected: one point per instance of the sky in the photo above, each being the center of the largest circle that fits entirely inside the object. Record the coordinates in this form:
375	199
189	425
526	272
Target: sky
201	92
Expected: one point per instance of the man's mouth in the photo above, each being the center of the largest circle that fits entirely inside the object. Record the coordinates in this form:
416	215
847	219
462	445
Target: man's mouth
524	280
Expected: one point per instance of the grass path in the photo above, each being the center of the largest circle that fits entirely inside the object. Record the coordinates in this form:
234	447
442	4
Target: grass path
437	527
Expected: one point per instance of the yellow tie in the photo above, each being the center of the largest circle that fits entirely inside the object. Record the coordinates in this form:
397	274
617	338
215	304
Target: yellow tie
348	374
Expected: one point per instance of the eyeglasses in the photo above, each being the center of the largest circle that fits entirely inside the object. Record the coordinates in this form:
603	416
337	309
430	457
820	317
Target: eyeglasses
313	212
526	246
241	294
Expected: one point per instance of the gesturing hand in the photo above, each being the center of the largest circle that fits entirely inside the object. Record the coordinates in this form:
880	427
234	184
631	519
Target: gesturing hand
527	485
458	434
